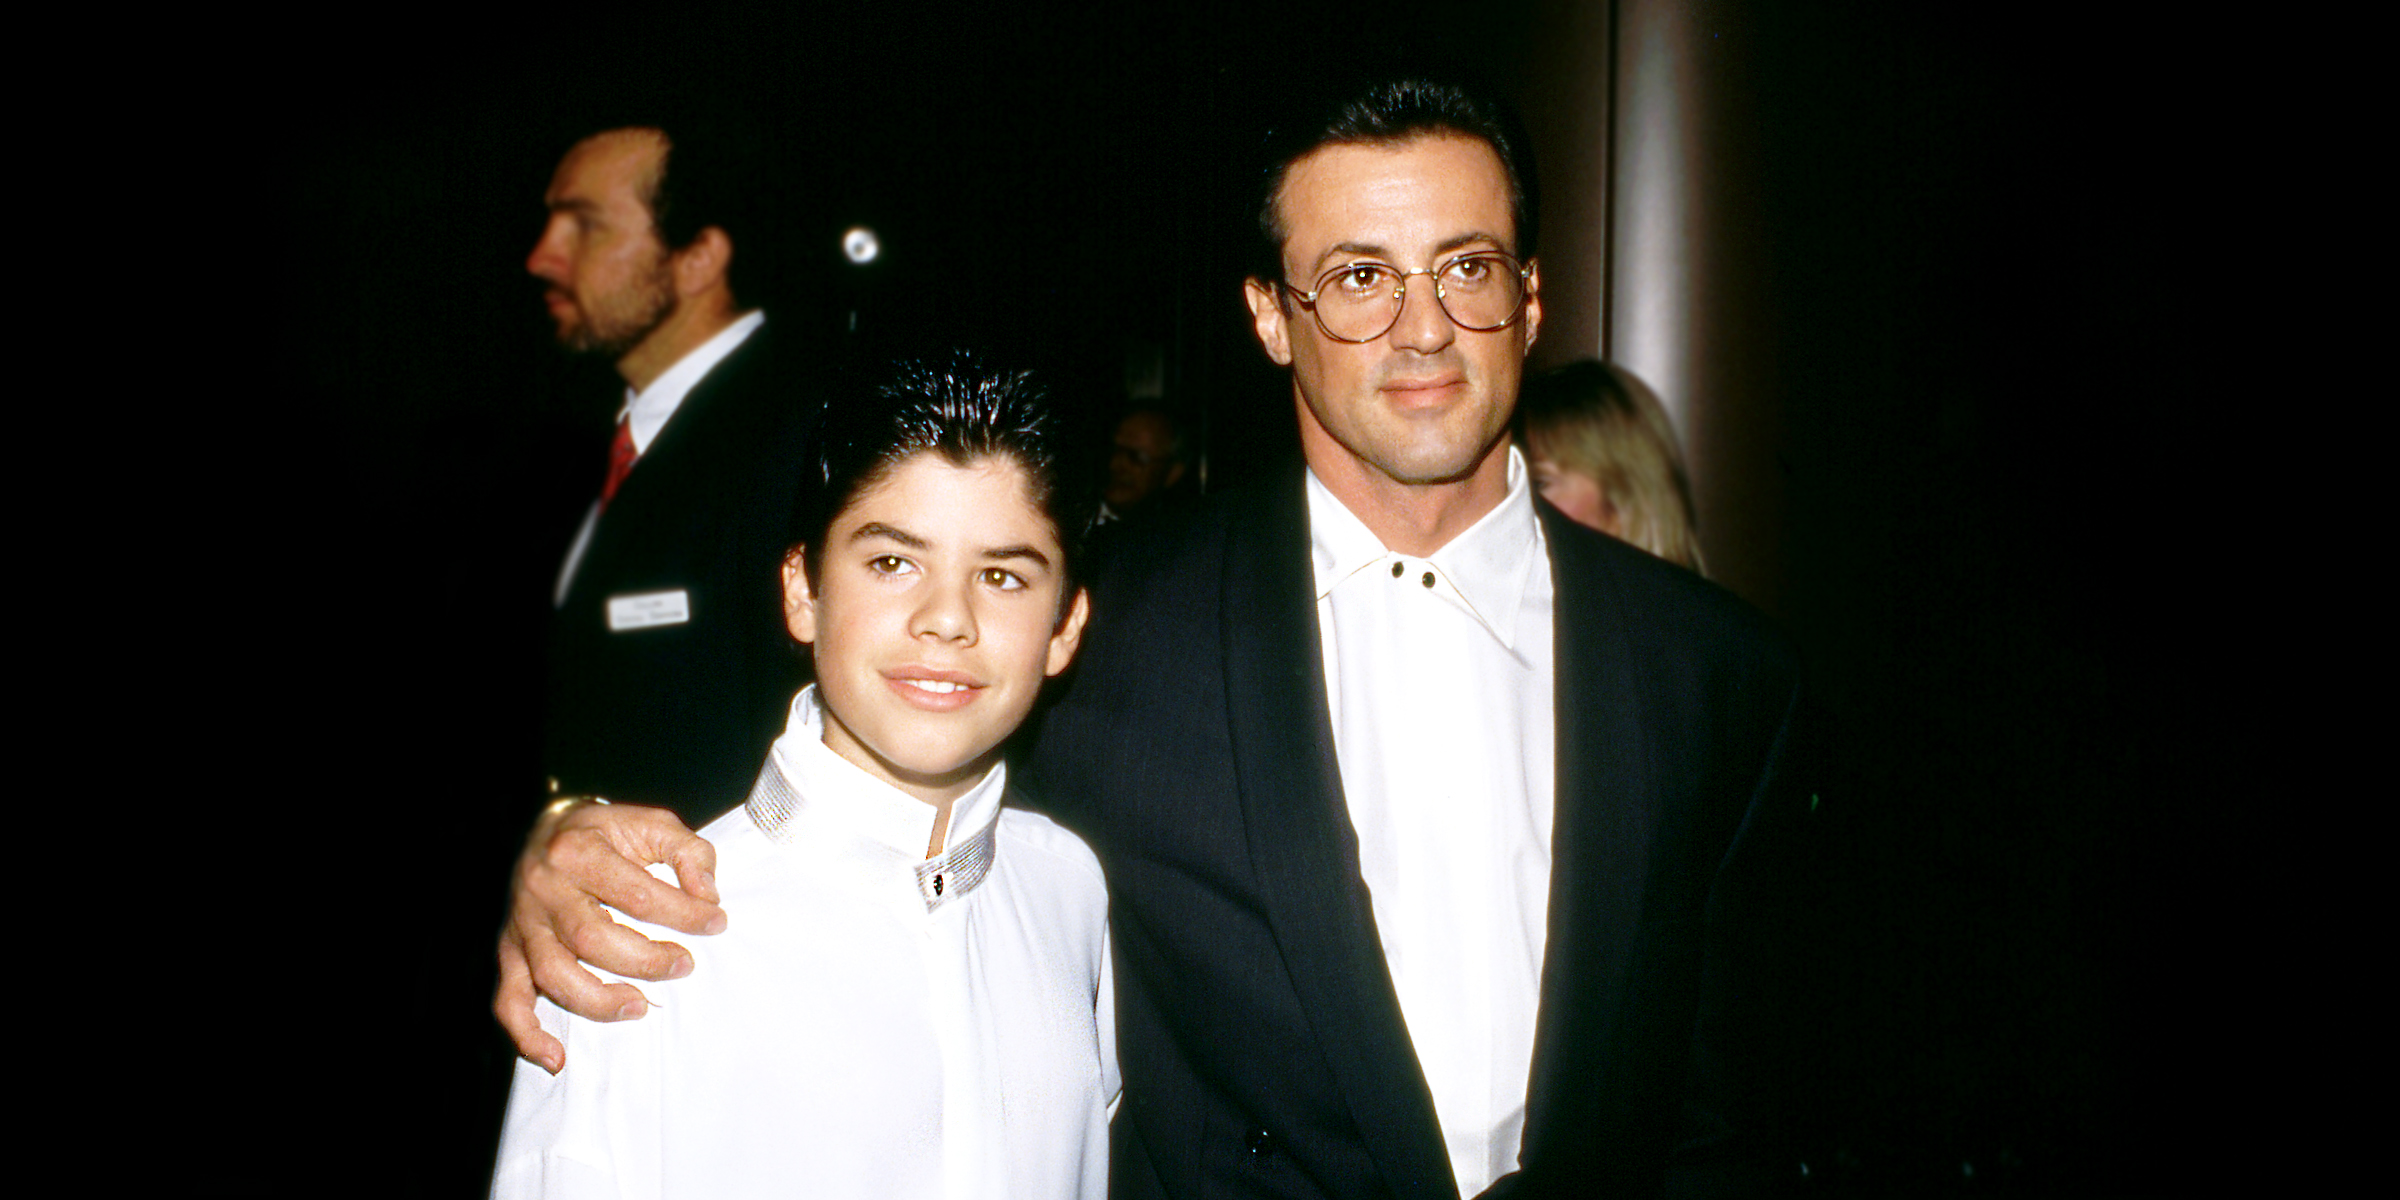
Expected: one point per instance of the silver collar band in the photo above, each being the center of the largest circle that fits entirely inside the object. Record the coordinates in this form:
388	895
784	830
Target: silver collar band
943	879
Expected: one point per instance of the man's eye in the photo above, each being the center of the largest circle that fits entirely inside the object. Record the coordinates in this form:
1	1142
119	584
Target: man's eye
1471	274
1359	279
1005	580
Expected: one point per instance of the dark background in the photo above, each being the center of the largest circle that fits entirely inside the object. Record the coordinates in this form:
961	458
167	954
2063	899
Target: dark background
1972	219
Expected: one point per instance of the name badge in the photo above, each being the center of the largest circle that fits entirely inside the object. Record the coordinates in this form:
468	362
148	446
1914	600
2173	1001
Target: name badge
644	610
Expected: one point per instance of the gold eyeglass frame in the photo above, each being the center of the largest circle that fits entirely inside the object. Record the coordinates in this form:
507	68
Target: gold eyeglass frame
1308	299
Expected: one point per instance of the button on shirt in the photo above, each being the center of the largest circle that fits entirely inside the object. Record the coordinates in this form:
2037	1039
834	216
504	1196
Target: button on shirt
645	413
1439	672
871	1023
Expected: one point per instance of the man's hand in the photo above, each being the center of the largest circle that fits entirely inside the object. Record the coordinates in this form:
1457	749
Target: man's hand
579	856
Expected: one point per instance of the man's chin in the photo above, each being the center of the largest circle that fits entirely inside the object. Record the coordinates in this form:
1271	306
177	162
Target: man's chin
1438	469
578	341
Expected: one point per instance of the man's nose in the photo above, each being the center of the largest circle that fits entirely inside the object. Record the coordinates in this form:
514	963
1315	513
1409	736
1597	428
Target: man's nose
1422	325
549	257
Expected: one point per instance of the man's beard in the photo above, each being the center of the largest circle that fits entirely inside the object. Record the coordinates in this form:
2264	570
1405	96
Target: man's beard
615	324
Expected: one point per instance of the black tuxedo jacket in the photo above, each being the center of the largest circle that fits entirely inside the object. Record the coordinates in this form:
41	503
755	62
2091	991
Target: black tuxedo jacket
1263	1047
681	715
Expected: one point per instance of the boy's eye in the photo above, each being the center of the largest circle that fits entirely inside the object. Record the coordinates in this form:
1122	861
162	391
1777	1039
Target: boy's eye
1007	581
887	564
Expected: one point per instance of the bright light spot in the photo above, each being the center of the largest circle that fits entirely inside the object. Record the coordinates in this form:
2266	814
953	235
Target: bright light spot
860	245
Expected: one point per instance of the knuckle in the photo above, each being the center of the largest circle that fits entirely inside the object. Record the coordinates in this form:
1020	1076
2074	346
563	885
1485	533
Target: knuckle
613	945
583	938
561	980
579	855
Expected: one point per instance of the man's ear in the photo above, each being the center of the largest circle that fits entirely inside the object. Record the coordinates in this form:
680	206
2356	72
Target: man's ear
702	265
1269	319
799	603
1070	633
1533	305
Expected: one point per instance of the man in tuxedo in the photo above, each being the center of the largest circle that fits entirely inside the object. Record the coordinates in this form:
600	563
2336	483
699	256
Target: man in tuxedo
669	664
1428	815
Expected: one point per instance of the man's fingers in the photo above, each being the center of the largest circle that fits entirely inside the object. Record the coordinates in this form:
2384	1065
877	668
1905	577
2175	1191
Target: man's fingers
580	855
639	831
591	935
512	1004
696	868
593	867
557	975
600	850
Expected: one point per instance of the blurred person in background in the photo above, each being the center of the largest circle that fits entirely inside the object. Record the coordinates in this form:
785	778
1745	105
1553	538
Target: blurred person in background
669	665
1148	460
1603	452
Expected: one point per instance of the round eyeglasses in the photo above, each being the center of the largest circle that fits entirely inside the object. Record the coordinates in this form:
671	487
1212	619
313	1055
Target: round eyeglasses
1361	301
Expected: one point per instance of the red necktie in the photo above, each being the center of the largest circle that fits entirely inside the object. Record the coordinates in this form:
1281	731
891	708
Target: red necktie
621	455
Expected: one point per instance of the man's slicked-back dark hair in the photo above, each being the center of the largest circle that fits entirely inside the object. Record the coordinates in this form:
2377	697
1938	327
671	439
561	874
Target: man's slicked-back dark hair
966	410
1388	112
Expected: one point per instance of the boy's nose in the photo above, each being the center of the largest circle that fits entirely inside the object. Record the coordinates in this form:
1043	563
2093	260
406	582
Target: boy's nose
946	614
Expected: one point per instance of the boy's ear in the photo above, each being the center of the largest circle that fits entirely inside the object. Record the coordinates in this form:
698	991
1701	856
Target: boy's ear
799	604
1070	633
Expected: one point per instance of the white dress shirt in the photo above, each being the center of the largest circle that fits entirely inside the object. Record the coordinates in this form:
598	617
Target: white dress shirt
645	413
1439	672
871	1023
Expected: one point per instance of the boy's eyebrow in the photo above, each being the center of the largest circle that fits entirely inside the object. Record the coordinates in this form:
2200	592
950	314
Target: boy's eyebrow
877	529
1019	552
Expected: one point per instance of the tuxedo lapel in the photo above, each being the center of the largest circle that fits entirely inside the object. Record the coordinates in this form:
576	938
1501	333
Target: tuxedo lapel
680	460
1301	843
690	425
1605	822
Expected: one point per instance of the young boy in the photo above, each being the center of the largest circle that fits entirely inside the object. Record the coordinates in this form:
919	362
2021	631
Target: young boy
911	998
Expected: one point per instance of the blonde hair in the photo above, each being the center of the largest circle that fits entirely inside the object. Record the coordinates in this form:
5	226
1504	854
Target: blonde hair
1599	421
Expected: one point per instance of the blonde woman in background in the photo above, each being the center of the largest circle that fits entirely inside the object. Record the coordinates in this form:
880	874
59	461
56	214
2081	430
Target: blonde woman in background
1602	452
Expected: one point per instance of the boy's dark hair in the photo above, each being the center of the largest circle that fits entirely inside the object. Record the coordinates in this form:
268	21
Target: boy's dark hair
965	409
1382	113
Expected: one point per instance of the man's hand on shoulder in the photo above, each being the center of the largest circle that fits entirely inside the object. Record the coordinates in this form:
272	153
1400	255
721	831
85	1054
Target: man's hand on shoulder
581	855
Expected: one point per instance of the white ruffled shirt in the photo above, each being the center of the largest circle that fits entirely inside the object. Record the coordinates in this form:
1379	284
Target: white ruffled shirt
1440	672
871	1023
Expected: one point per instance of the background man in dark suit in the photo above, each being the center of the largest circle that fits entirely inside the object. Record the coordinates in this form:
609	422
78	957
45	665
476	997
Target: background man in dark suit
668	660
669	665
1427	813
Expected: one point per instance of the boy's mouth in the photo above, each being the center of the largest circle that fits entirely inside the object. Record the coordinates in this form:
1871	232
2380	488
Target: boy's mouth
936	687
